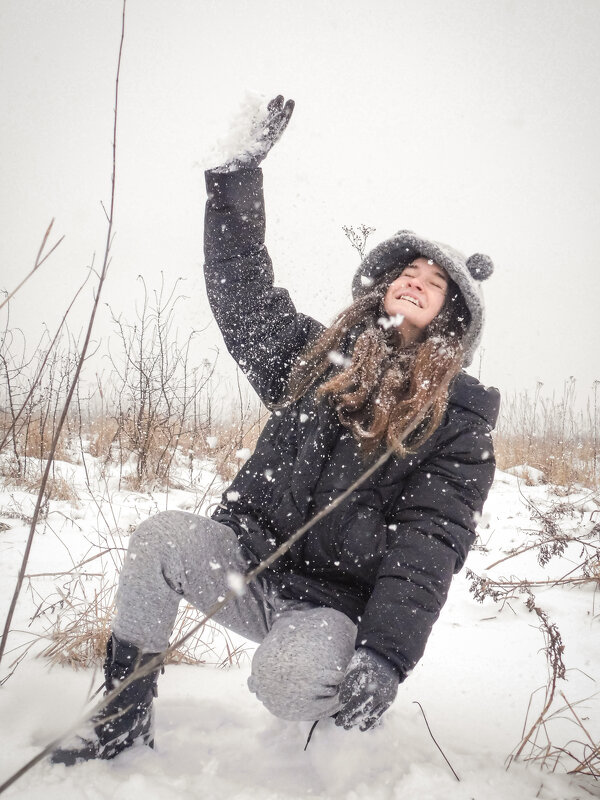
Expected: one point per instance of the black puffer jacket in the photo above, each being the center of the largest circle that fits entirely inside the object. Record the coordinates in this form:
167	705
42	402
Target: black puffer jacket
386	556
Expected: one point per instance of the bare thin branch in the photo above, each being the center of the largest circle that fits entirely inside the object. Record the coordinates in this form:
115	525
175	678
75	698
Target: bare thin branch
38	263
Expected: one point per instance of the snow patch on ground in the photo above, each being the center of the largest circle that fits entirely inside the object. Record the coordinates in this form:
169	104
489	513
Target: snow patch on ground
531	475
214	740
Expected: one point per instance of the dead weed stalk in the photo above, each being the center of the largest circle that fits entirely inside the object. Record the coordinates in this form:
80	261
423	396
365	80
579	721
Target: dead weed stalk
580	755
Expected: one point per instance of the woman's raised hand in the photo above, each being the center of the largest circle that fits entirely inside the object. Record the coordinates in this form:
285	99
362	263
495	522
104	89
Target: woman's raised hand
265	130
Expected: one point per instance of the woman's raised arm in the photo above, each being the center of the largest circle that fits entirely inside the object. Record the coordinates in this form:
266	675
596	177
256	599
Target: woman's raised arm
260	325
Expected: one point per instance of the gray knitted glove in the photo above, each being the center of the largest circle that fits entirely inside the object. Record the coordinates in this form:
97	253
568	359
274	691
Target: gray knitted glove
265	131
368	689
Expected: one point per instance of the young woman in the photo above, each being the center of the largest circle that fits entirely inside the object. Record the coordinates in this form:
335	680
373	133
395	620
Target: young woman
344	615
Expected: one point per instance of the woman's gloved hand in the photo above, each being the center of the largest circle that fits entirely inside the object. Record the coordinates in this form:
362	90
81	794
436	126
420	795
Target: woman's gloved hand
265	130
368	689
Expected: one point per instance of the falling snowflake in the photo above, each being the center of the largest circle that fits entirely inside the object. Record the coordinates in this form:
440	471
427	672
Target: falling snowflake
236	582
390	322
339	359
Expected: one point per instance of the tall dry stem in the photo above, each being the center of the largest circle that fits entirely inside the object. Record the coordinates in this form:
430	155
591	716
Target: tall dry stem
81	360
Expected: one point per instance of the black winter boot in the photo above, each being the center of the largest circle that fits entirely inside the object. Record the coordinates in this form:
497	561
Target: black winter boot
125	719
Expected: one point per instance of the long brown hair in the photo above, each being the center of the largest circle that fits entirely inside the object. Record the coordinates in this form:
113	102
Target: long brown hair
379	391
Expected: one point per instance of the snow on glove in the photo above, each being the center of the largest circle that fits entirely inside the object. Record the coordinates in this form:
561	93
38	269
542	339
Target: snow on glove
259	134
368	689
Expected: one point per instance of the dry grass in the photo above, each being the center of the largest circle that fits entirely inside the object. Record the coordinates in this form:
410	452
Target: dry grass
79	630
102	432
562	463
558	435
230	445
158	450
37	442
59	488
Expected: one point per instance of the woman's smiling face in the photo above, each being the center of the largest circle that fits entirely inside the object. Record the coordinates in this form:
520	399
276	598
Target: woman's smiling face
418	295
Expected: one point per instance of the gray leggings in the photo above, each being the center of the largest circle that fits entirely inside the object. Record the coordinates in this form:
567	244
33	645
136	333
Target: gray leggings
304	649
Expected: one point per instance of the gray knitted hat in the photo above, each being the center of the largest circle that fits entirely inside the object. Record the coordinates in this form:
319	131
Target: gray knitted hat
467	273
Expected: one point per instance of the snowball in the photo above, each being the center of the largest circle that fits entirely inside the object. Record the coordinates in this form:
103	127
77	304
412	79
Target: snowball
240	136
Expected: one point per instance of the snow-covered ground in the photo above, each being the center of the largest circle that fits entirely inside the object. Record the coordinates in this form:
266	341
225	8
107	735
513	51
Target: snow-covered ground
215	740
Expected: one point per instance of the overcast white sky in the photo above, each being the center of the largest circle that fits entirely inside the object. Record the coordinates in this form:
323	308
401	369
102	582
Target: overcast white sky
472	122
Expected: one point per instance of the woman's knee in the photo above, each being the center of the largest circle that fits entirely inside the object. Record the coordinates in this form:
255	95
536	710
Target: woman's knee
157	524
192	553
299	665
162	543
167	529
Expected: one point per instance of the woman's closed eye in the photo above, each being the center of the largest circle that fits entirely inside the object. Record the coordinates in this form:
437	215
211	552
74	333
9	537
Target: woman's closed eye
437	281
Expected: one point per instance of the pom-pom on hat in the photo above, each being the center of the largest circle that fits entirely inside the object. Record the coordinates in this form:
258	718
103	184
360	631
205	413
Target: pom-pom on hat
402	248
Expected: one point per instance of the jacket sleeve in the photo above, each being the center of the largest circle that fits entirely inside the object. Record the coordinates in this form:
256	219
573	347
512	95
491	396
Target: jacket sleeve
260	325
431	531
